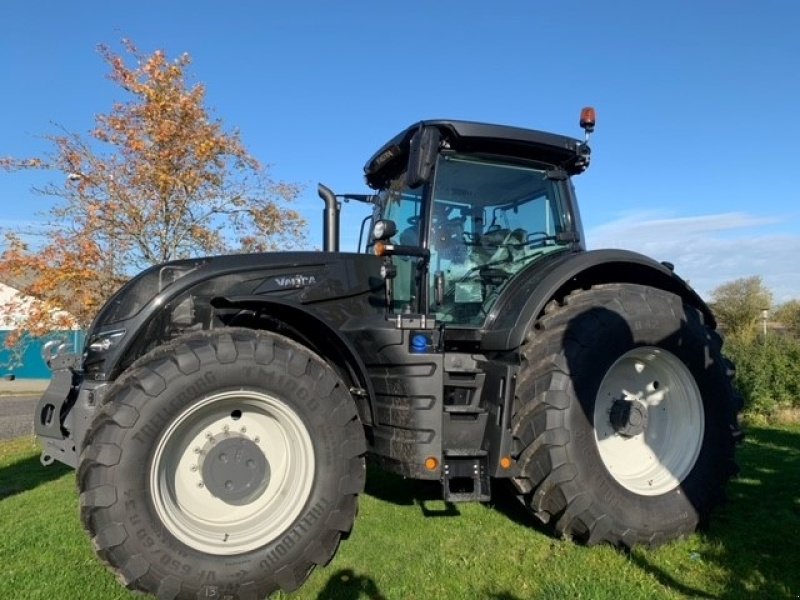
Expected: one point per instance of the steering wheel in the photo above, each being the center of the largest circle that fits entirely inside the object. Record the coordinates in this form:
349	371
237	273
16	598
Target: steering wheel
538	237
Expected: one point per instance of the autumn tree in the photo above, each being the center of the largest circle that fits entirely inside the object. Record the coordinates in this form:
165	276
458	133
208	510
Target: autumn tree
157	178
738	304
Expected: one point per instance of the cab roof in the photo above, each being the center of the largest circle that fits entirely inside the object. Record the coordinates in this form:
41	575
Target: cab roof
481	138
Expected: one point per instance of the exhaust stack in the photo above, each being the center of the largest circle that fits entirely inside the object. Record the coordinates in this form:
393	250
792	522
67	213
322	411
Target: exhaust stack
330	220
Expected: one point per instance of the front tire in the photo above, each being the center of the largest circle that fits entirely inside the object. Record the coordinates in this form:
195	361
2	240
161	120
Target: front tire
226	463
625	418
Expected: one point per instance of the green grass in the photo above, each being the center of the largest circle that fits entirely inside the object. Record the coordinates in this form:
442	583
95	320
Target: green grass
409	545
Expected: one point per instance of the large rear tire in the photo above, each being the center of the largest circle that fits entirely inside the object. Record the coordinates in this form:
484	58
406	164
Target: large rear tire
225	465
625	418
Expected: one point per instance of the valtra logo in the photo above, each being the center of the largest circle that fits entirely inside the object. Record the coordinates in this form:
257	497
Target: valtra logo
296	280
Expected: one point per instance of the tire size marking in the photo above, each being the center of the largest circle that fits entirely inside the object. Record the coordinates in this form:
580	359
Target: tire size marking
282	382
155	426
146	537
293	535
227	592
172	563
605	491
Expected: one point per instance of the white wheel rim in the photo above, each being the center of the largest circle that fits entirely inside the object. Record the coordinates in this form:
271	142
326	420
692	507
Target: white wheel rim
203	521
658	458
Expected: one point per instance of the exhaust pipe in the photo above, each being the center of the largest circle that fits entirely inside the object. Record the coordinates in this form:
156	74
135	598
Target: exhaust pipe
330	220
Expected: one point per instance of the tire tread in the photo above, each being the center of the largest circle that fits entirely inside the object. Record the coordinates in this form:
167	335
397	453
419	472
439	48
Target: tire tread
546	482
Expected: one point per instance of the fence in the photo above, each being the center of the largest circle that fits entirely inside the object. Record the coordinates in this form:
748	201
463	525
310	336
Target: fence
25	361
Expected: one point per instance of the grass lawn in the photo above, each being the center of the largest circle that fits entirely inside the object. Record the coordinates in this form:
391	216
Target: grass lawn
408	544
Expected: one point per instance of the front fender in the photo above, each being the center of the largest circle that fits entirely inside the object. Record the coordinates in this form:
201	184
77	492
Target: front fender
316	332
525	298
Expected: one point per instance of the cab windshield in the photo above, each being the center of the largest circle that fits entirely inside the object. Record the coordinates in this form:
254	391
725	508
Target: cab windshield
489	220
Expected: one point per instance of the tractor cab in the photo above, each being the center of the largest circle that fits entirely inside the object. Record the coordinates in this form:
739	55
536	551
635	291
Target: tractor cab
462	208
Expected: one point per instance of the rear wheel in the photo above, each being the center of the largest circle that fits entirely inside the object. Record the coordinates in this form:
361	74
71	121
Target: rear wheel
227	463
625	417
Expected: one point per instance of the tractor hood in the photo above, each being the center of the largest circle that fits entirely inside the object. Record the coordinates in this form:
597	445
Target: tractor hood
273	272
180	296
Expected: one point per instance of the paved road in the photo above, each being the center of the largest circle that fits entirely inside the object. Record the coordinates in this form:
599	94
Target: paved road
16	416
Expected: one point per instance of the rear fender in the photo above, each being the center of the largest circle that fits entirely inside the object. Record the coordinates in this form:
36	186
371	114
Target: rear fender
525	299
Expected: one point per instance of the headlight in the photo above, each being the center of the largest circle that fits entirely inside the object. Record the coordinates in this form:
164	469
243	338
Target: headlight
53	348
383	229
103	341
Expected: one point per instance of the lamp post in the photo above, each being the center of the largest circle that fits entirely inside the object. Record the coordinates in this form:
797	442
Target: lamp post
764	317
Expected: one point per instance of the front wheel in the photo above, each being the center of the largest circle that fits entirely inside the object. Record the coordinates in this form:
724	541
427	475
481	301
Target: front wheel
625	417
226	463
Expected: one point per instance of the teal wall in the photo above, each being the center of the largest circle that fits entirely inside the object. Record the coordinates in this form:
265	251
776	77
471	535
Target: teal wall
30	365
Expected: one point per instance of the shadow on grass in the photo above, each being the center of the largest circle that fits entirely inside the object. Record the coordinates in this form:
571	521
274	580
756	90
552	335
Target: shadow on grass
753	540
665	578
406	492
346	585
27	474
755	537
507	503
501	596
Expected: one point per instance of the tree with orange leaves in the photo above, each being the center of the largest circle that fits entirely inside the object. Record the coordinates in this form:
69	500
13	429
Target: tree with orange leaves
156	179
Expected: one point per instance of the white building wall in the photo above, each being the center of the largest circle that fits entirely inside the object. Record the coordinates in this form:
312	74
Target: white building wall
9	320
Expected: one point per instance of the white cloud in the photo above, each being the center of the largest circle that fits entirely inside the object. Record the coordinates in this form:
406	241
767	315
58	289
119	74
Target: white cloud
710	250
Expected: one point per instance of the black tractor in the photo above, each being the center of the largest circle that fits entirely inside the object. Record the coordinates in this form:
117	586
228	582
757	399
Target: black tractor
223	408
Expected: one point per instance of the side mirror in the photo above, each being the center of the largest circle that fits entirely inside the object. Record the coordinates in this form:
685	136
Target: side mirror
423	148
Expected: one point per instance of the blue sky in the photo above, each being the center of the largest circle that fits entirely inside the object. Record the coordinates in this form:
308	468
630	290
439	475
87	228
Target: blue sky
693	158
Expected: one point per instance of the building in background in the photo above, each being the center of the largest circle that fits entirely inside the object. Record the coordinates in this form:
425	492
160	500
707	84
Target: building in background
24	361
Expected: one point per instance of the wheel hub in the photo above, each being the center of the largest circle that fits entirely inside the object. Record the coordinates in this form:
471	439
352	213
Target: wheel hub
649	420
628	417
235	470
